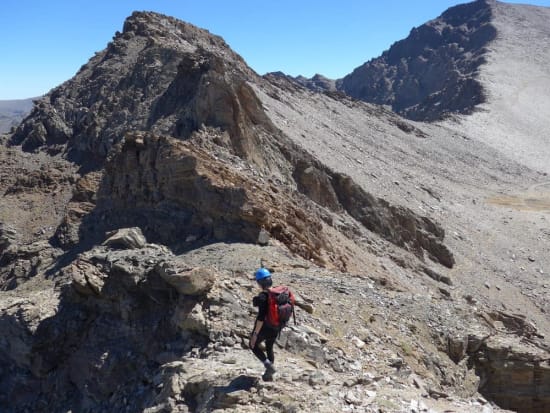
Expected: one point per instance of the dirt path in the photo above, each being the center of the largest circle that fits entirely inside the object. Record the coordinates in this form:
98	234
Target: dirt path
535	198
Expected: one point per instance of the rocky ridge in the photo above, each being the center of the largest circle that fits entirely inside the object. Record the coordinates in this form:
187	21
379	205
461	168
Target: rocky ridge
515	80
137	296
432	72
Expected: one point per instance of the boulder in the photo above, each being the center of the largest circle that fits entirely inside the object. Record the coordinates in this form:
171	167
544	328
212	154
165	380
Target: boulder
193	321
187	281
126	238
263	237
301	302
87	279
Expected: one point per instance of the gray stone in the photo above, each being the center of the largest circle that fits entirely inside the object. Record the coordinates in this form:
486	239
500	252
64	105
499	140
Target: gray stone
128	238
317	378
303	304
263	237
192	320
87	279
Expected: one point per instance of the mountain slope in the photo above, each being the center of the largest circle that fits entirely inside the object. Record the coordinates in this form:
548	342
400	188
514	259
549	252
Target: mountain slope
515	80
201	92
166	171
484	64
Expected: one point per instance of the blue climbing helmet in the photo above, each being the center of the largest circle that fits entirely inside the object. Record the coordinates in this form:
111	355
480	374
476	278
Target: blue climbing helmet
262	273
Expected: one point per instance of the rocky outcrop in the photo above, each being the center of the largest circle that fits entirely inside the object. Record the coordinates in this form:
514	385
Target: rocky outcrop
318	83
178	195
120	337
515	377
159	74
398	225
513	366
108	306
432	72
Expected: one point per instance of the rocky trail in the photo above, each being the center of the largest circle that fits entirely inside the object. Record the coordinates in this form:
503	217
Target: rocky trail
370	362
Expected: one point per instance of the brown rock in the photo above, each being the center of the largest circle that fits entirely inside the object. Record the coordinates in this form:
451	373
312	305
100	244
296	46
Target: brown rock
195	281
87	279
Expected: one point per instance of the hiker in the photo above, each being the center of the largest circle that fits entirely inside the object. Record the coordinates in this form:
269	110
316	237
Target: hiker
262	331
275	305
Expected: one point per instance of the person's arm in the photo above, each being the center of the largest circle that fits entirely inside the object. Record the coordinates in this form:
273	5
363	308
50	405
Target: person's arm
257	327
262	310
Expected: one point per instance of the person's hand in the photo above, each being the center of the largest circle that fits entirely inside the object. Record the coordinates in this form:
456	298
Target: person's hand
252	341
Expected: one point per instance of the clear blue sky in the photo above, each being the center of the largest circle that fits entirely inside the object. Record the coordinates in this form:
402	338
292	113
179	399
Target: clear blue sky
43	43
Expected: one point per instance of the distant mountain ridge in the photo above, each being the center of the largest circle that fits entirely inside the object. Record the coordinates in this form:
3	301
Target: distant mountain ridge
432	72
484	63
516	83
12	112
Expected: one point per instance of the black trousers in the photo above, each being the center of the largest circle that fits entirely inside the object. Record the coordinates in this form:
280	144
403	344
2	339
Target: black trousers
268	335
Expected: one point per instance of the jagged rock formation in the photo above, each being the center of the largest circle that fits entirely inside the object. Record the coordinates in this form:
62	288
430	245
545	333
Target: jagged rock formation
116	317
513	369
519	380
432	72
317	83
159	74
141	329
176	192
140	195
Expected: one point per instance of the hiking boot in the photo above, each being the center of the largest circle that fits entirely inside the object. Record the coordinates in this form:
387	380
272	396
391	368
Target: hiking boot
269	371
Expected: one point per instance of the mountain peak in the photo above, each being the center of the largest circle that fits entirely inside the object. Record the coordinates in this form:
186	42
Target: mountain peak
433	71
161	27
157	75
